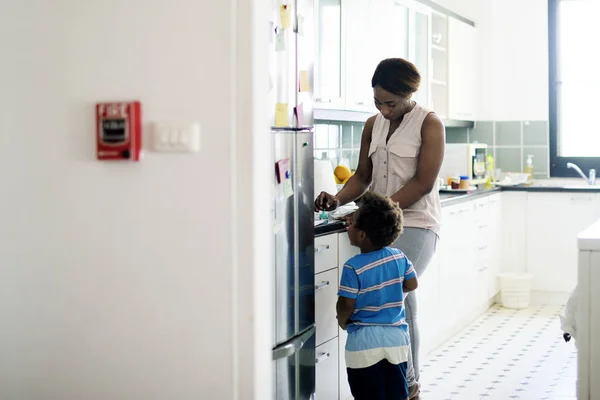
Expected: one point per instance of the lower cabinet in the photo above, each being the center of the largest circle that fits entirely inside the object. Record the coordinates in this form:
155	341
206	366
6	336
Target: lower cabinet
327	370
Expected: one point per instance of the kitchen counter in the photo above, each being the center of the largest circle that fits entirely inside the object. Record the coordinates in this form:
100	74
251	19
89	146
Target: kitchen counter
557	185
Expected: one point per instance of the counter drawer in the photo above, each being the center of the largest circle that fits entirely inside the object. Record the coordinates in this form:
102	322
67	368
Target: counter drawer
327	371
326	252
326	286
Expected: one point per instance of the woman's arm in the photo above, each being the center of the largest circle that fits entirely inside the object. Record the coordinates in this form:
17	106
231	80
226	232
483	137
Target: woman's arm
428	165
358	184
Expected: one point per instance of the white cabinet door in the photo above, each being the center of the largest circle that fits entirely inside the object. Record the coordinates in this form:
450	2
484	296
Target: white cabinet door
513	257
327	371
428	295
328	54
461	70
495	244
359	62
553	222
326	253
326	287
346	250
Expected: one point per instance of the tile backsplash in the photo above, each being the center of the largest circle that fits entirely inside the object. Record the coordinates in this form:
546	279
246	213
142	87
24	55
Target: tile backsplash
509	141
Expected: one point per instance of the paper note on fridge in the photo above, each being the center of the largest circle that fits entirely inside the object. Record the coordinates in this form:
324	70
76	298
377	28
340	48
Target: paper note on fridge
279	41
285	16
304	85
281	115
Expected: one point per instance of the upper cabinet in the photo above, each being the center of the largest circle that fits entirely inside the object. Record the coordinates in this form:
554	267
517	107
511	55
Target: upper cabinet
353	36
461	70
328	54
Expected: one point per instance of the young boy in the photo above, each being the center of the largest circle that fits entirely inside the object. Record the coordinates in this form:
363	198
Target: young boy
370	304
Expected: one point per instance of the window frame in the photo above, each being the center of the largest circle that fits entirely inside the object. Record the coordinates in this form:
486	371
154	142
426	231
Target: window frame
558	164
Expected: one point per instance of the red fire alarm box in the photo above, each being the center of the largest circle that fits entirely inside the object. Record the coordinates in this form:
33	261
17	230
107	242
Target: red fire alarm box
119	131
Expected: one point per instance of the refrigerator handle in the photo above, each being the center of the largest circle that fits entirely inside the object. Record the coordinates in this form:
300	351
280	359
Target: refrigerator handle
288	349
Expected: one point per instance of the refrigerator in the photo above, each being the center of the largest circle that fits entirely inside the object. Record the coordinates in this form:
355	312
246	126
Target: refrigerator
291	115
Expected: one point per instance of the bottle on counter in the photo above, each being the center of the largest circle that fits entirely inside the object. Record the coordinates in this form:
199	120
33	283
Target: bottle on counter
529	168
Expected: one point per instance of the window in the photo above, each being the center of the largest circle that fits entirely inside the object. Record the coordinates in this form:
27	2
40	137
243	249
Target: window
574	85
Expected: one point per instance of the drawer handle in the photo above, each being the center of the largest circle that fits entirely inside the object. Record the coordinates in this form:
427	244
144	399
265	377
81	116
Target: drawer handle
321	285
321	357
482	226
321	248
482	248
482	268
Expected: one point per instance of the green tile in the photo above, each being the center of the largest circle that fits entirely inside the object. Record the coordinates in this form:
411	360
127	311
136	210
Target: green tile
540	159
347	130
508	160
357	134
508	133
457	135
535	133
483	132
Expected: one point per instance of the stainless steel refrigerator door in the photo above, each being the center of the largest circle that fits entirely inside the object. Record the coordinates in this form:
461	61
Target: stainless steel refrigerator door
294	365
305	233
284	302
291	63
294	294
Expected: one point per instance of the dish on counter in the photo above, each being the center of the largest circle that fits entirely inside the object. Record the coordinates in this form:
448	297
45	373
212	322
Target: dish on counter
448	189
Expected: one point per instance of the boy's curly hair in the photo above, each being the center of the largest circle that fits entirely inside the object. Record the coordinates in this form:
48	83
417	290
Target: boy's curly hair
380	218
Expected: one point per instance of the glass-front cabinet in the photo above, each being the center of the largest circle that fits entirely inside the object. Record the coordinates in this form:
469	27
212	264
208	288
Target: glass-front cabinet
353	36
328	54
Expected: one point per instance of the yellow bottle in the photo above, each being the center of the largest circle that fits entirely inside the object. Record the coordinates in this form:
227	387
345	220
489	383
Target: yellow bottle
529	168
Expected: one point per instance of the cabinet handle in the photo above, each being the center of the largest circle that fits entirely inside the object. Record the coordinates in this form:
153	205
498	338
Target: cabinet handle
482	226
321	248
482	248
360	103
321	285
481	269
321	357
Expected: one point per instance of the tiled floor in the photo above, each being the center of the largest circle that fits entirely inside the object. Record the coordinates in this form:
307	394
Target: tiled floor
504	355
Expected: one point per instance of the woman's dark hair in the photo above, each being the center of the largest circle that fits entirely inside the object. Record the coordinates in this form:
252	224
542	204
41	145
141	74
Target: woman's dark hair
380	218
397	76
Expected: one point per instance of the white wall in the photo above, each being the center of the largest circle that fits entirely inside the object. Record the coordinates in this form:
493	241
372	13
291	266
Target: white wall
132	281
513	56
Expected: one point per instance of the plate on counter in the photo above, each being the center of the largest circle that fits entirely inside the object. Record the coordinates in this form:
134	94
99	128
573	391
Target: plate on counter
458	191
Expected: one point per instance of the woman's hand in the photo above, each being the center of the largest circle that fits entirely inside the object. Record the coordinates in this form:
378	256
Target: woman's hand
327	202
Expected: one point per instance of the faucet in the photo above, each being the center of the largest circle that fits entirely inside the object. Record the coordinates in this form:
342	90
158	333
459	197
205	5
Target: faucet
592	178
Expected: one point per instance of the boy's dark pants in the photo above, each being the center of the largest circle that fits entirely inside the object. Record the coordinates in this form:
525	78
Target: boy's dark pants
382	381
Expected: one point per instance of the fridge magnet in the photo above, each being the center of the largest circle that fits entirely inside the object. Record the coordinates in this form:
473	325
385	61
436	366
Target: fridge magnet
304	85
299	113
281	115
288	191
284	12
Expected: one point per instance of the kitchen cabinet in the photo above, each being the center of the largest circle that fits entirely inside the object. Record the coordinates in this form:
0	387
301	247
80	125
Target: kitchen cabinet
353	36
553	222
327	371
428	297
461	70
326	287
328	75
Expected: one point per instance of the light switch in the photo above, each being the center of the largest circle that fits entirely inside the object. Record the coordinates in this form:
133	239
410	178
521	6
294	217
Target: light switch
176	138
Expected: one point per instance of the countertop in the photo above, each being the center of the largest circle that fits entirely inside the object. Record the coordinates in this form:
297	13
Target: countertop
556	185
589	239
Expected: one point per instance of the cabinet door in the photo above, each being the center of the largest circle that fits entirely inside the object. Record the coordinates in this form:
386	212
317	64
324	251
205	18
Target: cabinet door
495	243
420	51
553	222
428	295
327	371
358	61
326	287
439	64
328	54
461	70
346	250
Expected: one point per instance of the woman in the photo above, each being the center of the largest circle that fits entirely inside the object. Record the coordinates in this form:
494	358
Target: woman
401	153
